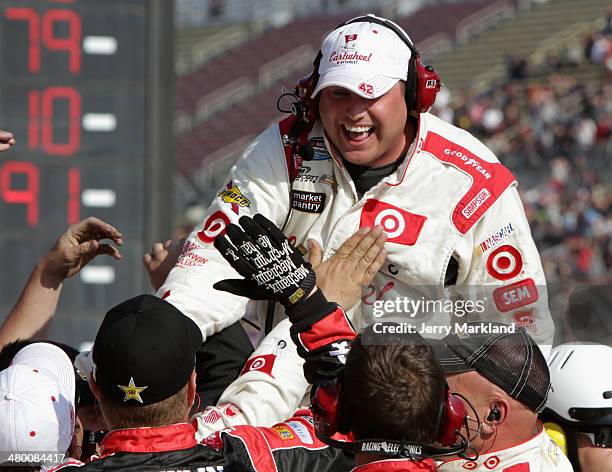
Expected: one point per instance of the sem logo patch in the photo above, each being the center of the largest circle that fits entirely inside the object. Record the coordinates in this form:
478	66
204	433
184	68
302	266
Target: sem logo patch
516	295
309	202
505	263
401	226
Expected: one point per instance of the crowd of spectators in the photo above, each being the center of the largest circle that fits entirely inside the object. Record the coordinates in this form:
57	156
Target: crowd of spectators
553	131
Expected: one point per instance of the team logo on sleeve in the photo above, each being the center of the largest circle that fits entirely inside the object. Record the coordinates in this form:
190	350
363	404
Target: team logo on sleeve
494	240
516	295
525	319
504	263
262	363
213	227
401	226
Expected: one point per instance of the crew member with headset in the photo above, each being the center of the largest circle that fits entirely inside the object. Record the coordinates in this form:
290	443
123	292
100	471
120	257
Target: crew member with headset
361	151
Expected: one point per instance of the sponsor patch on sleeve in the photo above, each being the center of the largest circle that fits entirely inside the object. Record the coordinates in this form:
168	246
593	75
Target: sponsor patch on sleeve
525	319
283	432
213	226
301	431
517	295
309	202
189	258
263	364
494	240
505	263
232	195
489	179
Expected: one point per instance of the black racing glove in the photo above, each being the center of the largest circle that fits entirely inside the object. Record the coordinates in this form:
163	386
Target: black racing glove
272	268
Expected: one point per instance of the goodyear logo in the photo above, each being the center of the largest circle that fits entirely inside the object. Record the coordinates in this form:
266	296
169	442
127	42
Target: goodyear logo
234	195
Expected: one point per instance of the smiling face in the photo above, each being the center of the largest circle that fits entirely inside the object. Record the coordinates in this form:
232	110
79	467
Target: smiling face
368	132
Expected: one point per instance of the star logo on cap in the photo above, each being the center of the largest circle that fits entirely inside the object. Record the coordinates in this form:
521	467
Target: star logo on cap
132	391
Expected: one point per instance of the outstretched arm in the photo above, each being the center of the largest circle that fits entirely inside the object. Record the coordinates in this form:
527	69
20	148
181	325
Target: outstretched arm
74	249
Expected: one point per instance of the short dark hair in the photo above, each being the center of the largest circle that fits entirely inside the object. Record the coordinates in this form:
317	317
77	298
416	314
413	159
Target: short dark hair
119	415
393	390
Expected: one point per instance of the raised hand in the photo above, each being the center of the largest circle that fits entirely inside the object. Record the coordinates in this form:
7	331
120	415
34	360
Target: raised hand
354	265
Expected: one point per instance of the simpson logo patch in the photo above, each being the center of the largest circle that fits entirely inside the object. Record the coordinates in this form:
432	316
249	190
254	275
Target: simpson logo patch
494	240
309	202
516	295
476	203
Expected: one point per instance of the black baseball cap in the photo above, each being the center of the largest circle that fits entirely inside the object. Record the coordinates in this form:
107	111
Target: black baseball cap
145	351
503	354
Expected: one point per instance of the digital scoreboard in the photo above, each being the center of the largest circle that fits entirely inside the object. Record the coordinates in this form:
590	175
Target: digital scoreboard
86	86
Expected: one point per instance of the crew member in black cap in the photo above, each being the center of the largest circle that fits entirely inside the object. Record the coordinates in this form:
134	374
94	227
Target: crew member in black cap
504	375
144	378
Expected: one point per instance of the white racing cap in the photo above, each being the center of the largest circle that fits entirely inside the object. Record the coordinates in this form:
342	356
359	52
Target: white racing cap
365	58
37	410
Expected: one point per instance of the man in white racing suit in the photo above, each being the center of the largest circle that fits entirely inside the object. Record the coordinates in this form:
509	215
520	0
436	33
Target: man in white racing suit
362	151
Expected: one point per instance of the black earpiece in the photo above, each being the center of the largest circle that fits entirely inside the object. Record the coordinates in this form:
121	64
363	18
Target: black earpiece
494	414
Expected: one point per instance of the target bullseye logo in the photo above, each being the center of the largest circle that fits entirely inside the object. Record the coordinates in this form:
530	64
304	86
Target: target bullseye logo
214	226
470	465
263	363
505	263
492	462
392	222
401	226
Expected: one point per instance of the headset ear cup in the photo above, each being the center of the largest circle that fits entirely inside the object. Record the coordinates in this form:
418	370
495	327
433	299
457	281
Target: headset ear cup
342	419
453	421
411	86
428	86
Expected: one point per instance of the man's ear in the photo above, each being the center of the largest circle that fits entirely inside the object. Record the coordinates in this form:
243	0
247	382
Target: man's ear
94	387
191	389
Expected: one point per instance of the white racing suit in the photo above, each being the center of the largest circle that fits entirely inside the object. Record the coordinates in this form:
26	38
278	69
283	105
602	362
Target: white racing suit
450	198
539	454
